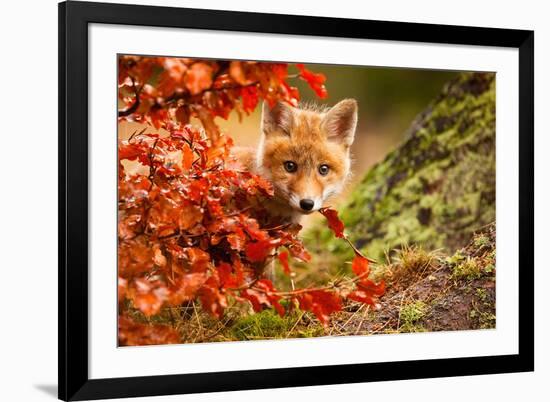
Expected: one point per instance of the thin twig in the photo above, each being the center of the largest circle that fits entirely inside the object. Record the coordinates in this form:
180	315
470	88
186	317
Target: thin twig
350	318
357	251
295	324
135	105
365	315
136	134
399	314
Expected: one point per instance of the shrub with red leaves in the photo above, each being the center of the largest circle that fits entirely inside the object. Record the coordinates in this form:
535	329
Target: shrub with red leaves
193	228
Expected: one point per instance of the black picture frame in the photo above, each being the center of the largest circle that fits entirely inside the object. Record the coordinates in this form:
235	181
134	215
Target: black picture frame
74	382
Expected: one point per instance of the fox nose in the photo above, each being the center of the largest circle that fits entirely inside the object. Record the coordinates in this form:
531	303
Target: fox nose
307	204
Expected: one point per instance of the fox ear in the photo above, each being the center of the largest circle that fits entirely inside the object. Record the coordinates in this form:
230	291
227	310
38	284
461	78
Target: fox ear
278	118
340	122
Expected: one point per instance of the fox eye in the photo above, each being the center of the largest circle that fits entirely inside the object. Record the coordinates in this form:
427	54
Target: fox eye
290	166
323	170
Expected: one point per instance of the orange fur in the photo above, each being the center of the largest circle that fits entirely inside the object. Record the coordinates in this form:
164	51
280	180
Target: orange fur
308	138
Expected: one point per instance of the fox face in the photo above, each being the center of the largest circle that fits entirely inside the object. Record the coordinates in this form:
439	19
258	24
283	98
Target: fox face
305	153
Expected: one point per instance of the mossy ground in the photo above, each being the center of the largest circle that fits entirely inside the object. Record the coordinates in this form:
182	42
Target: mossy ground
426	291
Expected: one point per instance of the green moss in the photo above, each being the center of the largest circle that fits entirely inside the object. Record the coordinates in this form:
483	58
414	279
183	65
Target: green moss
309	332
411	314
482	241
266	324
484	319
489	268
456	258
467	269
487	320
482	294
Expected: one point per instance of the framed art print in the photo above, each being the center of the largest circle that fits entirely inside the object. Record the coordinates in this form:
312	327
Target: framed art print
252	200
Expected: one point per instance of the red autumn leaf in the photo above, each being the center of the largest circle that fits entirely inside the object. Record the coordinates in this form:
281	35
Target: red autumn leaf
198	259
283	258
122	286
182	114
186	288
263	295
367	291
260	250
375	289
258	299
215	207
237	239
252	228
134	151
170	79
206	117
187	157
239	72
147	296
299	252
135	257
158	257
274	298
198	78
212	299
290	94
280	70
131	333
239	270
334	223
222	81
322	303
250	98
189	216
362	297
158	117
224	273
197	189
254	184
360	266
129	226
315	80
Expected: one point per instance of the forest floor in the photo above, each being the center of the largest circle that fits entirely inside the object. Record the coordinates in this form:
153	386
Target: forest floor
425	291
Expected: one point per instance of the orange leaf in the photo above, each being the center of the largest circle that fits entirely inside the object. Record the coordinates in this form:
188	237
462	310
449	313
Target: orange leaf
360	265
198	78
258	251
131	333
334	223
361	297
376	289
148	296
315	80
212	300
182	115
263	295
283	258
122	286
186	287
250	98
187	157
322	303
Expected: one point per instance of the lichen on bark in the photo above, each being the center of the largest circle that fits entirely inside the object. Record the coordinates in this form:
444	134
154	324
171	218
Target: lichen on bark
435	189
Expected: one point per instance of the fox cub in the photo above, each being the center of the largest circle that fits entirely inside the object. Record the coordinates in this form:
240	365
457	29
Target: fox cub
304	153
